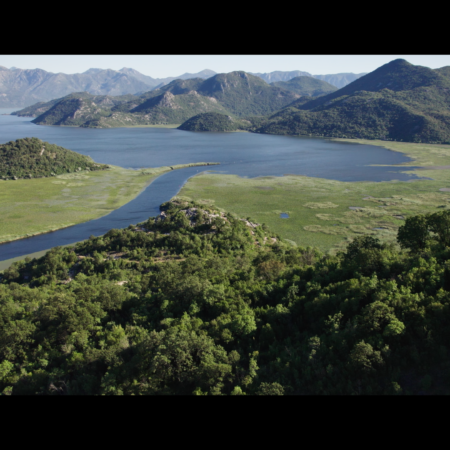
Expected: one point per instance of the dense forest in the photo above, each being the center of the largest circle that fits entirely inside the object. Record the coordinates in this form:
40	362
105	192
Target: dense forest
33	158
398	101
196	301
214	122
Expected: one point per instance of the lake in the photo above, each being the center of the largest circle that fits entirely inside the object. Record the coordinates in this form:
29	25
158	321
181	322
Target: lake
243	154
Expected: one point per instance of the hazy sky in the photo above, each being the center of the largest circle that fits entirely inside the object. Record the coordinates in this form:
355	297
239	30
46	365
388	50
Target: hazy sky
160	66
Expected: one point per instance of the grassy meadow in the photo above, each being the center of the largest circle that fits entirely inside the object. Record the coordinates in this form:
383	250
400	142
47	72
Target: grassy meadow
328	214
35	206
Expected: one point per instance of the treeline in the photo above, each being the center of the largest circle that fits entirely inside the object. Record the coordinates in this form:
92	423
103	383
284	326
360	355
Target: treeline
200	302
33	158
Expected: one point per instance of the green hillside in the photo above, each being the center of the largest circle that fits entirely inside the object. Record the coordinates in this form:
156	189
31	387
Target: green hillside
398	101
35	110
246	95
143	102
236	93
397	76
177	87
214	122
78	108
33	158
306	86
197	301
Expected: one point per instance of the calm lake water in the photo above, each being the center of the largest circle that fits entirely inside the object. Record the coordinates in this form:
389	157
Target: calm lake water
243	154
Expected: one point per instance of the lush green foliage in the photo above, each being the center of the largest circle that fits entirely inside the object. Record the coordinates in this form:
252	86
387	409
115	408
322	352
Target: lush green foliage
199	302
76	109
419	231
308	86
33	158
222	122
246	95
214	122
398	101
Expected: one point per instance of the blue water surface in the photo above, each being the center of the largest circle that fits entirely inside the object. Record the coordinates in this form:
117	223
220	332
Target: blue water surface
243	154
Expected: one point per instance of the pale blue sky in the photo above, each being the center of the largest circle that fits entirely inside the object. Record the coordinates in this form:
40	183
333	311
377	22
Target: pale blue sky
160	66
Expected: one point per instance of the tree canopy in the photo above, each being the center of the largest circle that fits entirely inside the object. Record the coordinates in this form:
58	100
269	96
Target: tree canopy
196	301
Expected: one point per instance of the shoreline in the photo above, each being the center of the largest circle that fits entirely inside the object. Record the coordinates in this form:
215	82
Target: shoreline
6	263
157	174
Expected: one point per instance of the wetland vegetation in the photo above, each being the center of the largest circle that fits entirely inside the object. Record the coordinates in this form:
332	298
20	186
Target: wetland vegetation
270	285
34	206
328	214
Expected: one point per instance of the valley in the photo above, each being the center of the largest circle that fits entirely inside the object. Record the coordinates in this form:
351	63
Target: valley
240	233
328	214
33	207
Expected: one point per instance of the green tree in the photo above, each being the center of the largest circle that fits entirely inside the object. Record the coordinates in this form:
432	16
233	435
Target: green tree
414	234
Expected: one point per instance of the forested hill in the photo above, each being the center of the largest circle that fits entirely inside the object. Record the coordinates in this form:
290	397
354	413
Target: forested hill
33	158
241	93
197	301
214	122
246	95
306	86
398	101
397	76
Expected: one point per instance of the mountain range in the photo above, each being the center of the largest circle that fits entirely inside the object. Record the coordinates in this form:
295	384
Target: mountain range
236	94
397	101
338	80
24	87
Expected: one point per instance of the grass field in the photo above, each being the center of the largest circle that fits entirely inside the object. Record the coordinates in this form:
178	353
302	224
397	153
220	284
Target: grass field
29	207
328	214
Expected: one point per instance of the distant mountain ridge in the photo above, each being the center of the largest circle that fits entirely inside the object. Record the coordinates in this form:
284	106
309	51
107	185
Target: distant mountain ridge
306	86
397	101
233	94
278	75
338	79
25	87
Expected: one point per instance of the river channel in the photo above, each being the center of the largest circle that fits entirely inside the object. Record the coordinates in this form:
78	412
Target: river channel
243	154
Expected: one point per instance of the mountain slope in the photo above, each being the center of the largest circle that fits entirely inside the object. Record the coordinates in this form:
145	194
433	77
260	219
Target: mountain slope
278	75
26	87
21	88
214	122
236	93
167	109
244	94
397	101
340	79
75	109
86	110
306	86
